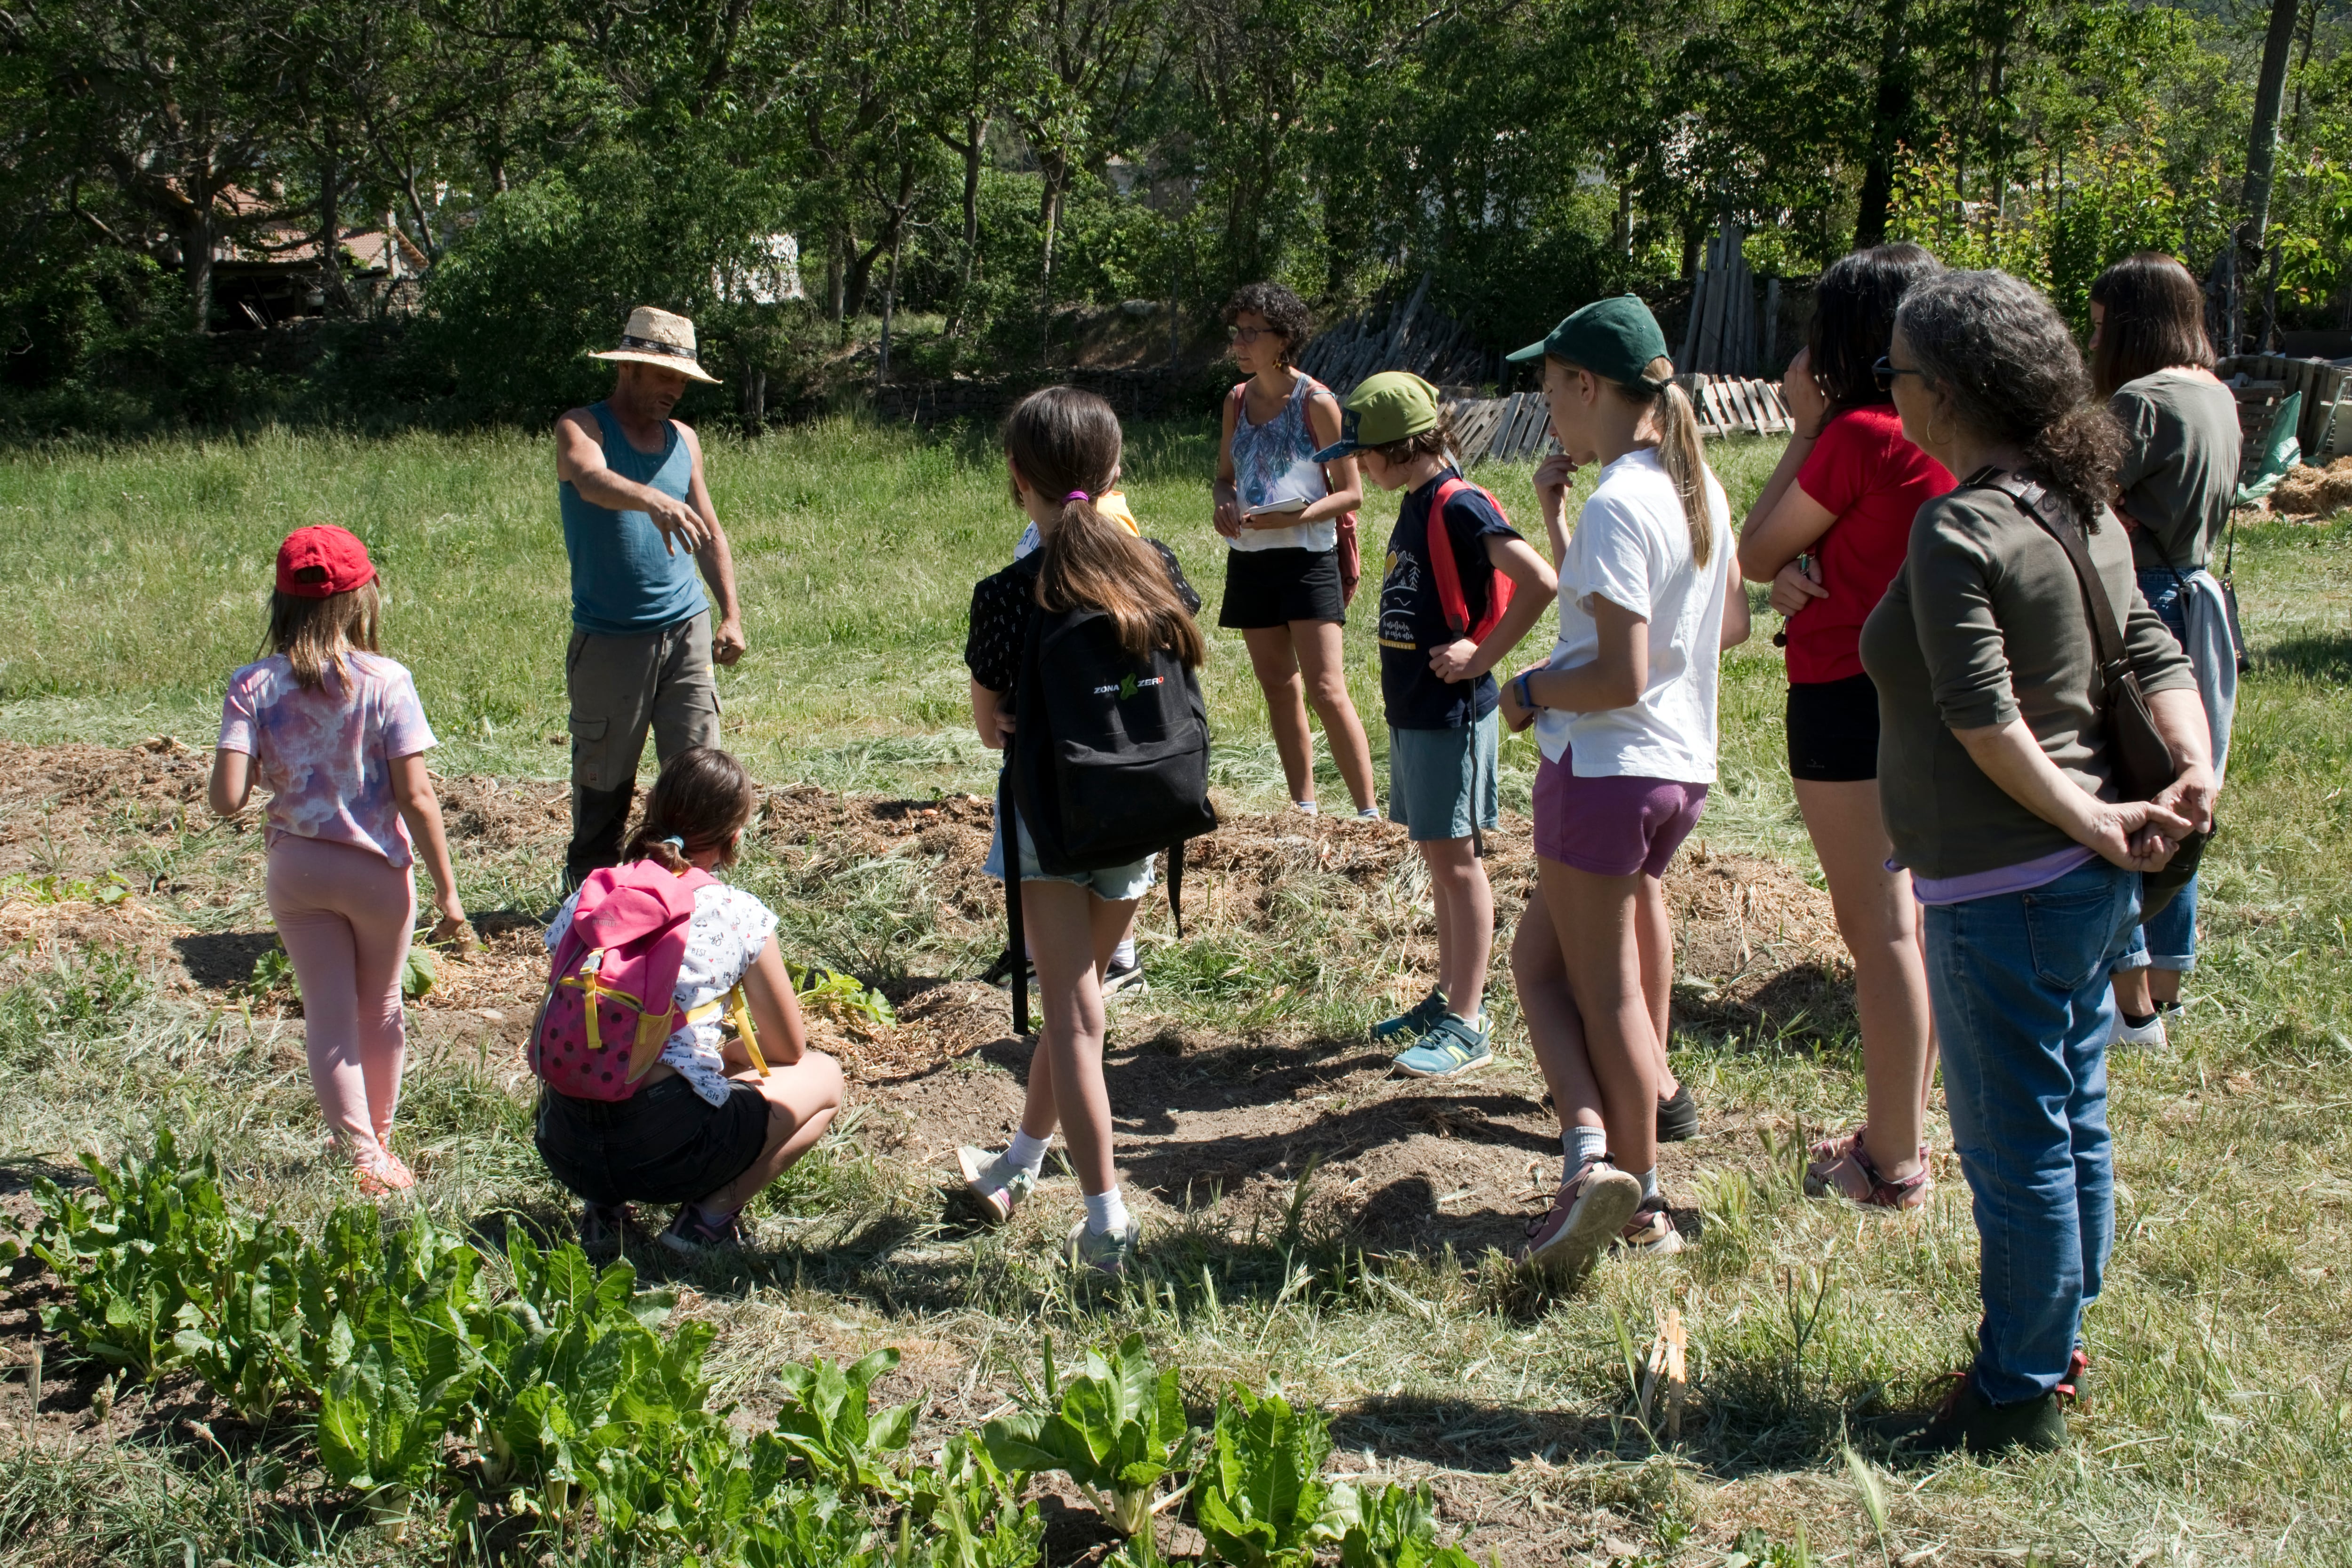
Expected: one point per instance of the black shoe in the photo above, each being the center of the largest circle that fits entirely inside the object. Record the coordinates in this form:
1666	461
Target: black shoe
1967	1420
1678	1117
1000	974
1120	977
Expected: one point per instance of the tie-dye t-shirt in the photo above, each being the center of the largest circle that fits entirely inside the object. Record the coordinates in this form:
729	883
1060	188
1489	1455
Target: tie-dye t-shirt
326	755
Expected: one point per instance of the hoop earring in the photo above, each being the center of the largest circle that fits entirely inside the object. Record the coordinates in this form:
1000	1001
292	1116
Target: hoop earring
1933	439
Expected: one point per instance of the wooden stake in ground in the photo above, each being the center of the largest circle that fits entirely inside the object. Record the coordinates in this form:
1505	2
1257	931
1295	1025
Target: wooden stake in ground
1666	1366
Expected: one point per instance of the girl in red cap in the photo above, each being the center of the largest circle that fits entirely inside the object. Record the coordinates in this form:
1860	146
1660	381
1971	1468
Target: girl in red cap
340	741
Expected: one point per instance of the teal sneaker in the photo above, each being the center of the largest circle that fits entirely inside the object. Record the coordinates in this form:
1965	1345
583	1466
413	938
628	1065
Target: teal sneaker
1409	1025
1107	1253
992	1186
1456	1046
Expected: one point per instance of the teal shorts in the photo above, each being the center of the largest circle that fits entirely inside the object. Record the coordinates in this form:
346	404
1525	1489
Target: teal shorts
1441	782
1113	884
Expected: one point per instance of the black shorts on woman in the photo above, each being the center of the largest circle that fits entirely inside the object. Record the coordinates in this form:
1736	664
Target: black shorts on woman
1266	588
1834	730
663	1144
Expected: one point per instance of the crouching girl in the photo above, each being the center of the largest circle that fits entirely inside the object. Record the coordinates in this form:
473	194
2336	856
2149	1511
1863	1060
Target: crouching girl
645	1098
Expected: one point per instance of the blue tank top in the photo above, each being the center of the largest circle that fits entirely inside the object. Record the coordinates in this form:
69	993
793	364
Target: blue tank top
623	580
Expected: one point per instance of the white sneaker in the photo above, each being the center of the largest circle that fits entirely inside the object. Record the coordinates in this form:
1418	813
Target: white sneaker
2147	1036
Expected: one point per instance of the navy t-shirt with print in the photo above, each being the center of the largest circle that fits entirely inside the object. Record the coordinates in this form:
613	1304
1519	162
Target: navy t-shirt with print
1412	620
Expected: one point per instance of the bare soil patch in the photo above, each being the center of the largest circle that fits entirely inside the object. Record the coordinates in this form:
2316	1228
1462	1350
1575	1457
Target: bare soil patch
1233	1119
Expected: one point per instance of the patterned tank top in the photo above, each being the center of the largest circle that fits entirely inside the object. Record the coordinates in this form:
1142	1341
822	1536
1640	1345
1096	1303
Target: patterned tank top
1275	470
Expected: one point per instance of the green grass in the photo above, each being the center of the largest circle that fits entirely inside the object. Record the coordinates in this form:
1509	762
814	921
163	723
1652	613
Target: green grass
132	580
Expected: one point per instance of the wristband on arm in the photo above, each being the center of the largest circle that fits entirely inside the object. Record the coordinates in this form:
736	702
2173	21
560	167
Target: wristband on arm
1519	687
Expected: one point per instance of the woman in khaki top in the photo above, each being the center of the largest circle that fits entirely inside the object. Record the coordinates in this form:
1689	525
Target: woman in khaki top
1997	792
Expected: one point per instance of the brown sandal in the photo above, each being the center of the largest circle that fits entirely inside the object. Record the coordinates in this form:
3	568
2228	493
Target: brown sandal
1843	1165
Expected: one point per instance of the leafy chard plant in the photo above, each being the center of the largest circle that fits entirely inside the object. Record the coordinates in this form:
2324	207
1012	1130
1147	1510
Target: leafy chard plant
1395	1527
1118	1432
973	1510
828	1426
131	1251
1259	1497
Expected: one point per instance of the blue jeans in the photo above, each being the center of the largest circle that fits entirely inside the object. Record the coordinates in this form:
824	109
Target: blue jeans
2019	986
2170	941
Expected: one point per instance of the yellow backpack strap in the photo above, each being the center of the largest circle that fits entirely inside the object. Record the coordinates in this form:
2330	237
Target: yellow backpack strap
740	1011
589	967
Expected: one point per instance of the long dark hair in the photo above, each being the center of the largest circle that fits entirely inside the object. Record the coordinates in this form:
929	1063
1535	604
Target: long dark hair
315	633
1854	317
2003	354
703	799
2155	319
1065	443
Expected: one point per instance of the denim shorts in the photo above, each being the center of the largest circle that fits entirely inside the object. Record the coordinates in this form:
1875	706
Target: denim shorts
663	1144
1442	781
1112	884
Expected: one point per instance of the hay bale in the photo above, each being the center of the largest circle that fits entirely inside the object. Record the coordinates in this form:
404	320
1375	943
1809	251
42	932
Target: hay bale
2314	493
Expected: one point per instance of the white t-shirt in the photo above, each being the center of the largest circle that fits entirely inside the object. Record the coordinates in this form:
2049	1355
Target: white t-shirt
1632	547
729	929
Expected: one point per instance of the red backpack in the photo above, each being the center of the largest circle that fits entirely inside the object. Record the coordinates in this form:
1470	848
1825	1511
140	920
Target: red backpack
610	992
1449	577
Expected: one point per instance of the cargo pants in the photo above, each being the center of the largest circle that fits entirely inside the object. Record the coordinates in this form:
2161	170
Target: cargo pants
621	688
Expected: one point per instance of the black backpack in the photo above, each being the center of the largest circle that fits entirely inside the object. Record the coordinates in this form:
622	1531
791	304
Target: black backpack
1109	762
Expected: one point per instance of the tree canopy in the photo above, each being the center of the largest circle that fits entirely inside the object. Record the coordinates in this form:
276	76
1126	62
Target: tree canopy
988	163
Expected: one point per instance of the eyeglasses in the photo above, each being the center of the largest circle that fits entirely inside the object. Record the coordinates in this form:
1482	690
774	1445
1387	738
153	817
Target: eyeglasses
1886	369
1246	335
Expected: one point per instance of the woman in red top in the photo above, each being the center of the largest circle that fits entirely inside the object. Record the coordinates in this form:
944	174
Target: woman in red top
1829	533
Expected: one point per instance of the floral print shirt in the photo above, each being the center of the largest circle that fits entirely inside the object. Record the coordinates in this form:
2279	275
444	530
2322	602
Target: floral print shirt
326	754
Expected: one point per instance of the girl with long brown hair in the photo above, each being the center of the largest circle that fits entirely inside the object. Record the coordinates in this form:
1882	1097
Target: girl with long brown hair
1062	452
335	731
2152	362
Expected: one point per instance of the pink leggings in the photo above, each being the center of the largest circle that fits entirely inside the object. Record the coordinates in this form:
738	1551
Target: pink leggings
345	917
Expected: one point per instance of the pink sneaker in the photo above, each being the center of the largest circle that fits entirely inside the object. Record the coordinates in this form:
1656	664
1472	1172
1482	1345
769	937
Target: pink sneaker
1589	1213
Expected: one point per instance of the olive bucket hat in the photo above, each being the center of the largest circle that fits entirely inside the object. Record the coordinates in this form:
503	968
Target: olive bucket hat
1386	407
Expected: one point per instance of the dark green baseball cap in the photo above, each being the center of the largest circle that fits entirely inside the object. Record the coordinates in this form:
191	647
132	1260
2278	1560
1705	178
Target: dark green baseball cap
1614	339
1386	407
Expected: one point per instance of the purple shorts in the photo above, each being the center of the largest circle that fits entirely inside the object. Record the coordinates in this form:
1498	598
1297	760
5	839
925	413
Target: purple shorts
1612	826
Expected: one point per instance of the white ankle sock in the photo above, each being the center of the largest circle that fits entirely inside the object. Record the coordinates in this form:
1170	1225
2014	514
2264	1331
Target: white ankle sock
1311	807
1028	1153
1649	1183
1106	1212
1123	955
1580	1145
1369	813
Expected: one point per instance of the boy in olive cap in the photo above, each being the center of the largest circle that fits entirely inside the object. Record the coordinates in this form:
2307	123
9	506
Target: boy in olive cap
1447	616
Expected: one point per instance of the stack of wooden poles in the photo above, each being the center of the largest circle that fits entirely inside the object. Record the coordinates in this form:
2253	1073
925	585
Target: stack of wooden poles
1726	335
1416	337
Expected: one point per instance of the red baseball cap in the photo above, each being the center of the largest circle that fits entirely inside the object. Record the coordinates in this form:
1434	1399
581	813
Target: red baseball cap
322	561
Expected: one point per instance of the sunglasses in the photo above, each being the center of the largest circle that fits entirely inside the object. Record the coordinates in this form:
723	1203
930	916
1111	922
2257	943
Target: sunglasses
1886	369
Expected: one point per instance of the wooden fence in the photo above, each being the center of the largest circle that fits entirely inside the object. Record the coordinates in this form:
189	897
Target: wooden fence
2326	426
1520	426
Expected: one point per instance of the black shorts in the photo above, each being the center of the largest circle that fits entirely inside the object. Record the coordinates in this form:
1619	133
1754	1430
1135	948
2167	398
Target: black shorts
663	1144
1275	587
1834	730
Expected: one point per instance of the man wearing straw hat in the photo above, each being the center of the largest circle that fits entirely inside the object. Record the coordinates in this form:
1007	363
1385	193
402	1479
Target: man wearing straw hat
637	522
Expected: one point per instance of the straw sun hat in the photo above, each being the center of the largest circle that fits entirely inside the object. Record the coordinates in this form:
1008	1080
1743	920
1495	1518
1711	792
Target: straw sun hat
659	338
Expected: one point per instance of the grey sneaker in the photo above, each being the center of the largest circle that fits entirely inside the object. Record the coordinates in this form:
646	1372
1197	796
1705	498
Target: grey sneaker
1106	1254
992	1187
1414	1023
1456	1046
1589	1213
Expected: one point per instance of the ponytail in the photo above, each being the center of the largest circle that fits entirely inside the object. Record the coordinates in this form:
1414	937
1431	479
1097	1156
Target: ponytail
1680	454
703	800
1066	442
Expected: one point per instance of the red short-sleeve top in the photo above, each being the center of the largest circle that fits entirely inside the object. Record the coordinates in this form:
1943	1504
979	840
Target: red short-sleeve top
1864	471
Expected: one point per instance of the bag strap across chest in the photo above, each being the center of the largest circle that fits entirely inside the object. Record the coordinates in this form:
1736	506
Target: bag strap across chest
1447	572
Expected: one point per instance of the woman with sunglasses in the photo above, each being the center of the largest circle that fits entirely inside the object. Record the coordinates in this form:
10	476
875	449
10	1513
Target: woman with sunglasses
1828	532
1281	515
1998	784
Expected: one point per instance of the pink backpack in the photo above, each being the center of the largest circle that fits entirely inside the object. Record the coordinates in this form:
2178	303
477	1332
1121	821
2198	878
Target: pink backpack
610	992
